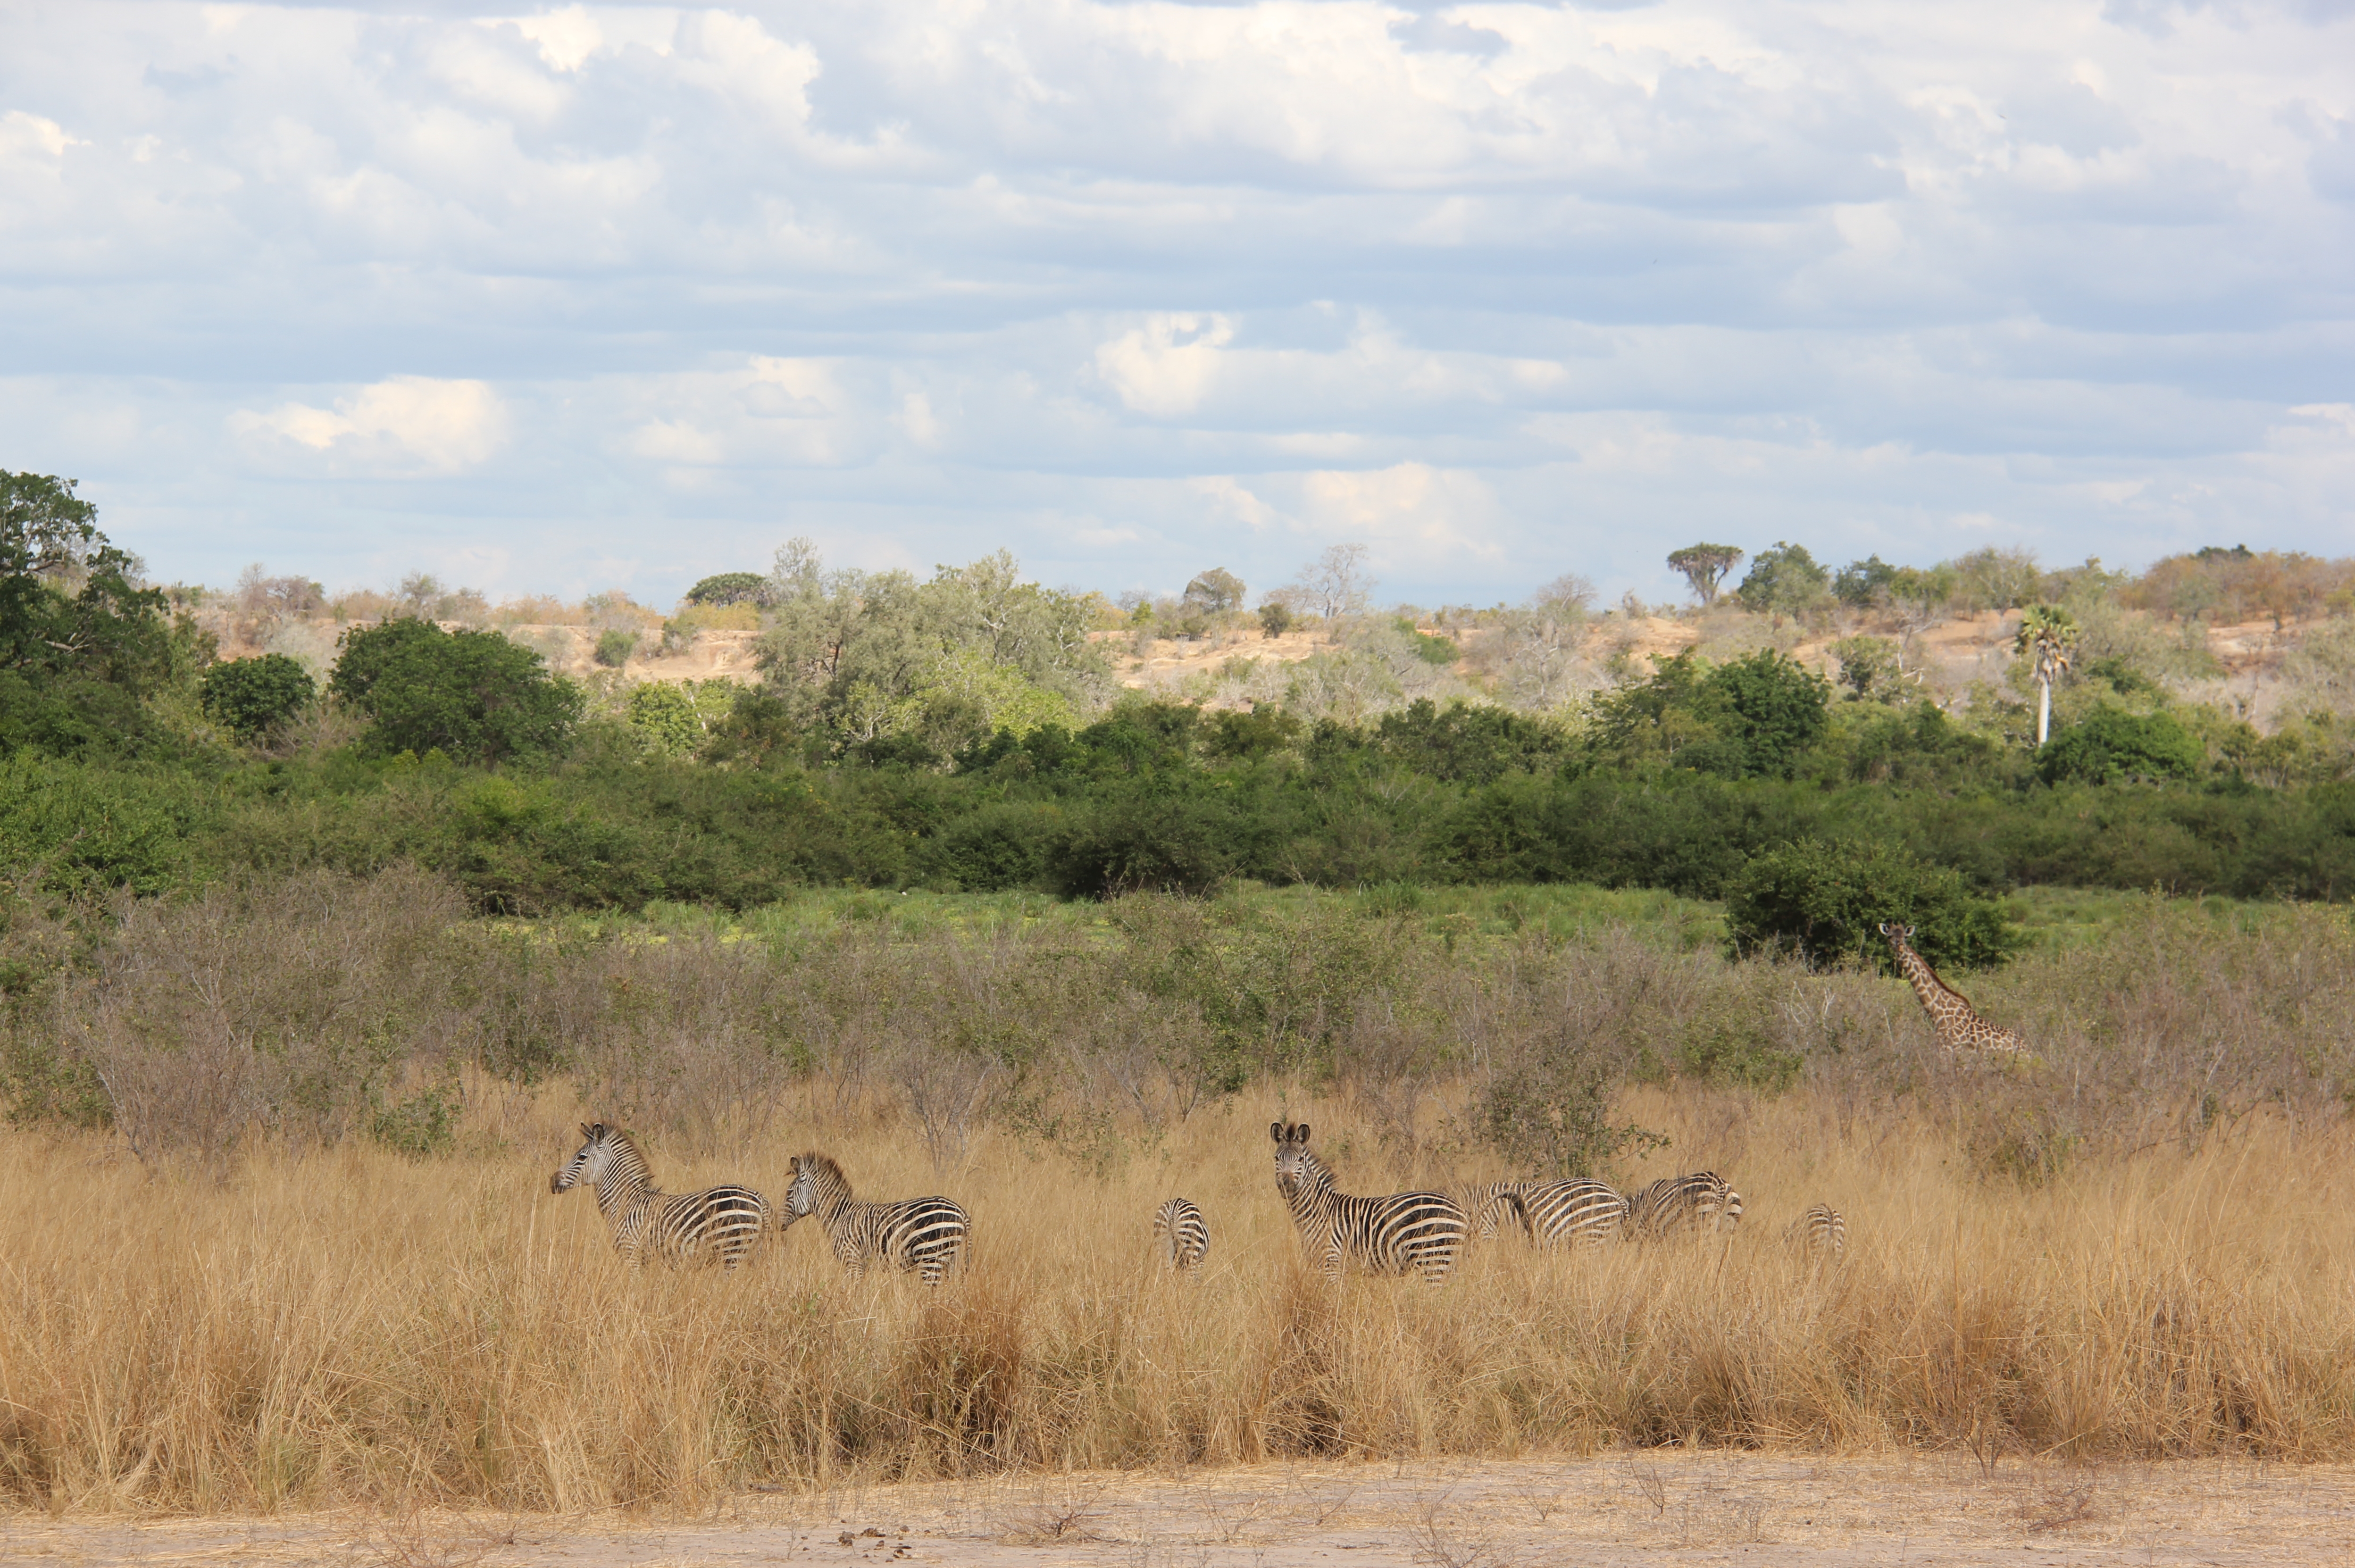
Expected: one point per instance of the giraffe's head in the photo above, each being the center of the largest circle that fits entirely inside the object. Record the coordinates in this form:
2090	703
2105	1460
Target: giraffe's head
1896	933
588	1163
1292	1156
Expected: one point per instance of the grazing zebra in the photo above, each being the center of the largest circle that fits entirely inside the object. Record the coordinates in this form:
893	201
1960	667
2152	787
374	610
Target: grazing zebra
1421	1230
1184	1234
720	1222
922	1233
1490	1204
1821	1232
1702	1200
1578	1212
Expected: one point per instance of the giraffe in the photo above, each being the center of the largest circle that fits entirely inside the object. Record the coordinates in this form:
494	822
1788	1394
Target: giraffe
1959	1026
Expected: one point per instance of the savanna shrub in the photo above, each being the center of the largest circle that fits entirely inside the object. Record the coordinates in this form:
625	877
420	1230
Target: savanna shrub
249	697
2108	746
1824	902
473	695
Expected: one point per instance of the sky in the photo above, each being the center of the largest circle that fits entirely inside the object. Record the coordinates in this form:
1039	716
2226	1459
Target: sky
561	300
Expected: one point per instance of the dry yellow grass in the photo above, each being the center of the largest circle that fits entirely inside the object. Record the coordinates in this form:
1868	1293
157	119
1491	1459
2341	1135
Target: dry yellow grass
349	1327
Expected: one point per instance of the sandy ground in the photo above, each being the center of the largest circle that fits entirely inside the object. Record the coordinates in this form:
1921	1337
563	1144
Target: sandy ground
1665	1508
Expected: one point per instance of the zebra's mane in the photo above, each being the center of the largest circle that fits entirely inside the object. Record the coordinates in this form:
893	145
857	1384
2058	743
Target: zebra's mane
624	1144
826	1169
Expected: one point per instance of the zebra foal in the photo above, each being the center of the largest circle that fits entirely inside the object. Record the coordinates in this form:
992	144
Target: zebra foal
1702	1200
720	1222
926	1234
1183	1235
1418	1231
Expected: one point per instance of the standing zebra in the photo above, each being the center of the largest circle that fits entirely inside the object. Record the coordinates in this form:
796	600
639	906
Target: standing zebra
1820	1233
922	1233
1702	1200
1421	1231
1578	1212
1184	1235
720	1222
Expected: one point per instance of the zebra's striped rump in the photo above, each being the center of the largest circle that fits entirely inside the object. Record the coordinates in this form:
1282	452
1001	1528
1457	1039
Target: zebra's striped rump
1489	1206
1422	1232
1701	1201
1184	1234
926	1234
1820	1233
717	1224
1577	1212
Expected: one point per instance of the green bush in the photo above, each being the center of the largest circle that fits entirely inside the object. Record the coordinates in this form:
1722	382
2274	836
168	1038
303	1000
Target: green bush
249	697
1824	903
473	695
1274	618
614	648
2108	746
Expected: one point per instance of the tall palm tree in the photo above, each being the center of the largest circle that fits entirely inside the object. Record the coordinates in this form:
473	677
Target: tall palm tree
2049	634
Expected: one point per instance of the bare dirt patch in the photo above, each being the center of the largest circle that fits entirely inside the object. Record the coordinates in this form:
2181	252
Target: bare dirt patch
1619	1508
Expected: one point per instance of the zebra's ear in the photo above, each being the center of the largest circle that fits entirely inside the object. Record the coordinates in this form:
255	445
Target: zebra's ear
1300	1133
587	1131
1276	1131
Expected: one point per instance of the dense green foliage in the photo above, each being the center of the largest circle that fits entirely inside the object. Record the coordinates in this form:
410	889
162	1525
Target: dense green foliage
472	695
249	697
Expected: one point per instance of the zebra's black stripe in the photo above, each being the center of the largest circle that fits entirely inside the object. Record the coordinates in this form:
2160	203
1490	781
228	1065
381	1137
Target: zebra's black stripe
1184	1234
926	1234
720	1222
1418	1231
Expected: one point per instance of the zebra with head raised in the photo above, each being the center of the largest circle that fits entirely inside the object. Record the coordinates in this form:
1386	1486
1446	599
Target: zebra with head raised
1420	1231
922	1233
1702	1200
1183	1235
721	1223
1821	1232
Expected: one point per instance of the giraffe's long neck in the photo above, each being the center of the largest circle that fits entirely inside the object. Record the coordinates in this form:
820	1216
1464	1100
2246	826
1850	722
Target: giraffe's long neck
1935	1000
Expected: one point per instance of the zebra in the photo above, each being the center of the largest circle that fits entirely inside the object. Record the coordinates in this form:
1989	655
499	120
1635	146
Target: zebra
1702	1200
1421	1231
922	1233
720	1222
1184	1235
1820	1233
1490	1204
1577	1212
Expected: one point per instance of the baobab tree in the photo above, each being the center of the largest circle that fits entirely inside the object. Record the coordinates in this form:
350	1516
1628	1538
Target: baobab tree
2049	635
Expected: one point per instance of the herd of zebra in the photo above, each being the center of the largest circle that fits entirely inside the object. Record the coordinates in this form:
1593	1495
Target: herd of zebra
1402	1232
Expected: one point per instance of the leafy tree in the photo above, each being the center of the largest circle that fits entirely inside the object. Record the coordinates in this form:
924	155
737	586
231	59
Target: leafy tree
1784	581
68	605
1216	591
1923	592
1467	743
1862	583
1274	618
473	695
1994	579
1823	902
2050	637
1869	666
1750	718
249	697
729	588
1704	566
2108	746
614	648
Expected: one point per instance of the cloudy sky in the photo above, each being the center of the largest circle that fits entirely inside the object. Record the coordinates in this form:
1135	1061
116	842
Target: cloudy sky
600	296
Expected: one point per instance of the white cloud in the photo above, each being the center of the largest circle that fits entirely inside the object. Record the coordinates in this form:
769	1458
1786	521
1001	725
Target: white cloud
1165	366
404	425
